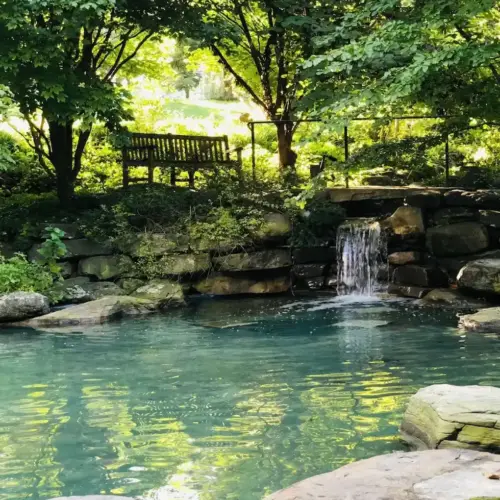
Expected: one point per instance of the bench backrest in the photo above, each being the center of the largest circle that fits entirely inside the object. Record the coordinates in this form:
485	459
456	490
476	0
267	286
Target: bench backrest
169	148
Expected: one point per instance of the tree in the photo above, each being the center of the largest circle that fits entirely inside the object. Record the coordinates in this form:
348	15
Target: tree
262	44
186	78
60	60
435	56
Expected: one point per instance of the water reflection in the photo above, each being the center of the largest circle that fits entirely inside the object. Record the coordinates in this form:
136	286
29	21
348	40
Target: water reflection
181	407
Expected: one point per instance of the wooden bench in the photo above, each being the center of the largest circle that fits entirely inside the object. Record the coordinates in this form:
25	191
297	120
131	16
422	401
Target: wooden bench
179	153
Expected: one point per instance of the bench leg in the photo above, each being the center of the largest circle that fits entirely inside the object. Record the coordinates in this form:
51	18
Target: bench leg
191	179
151	172
125	176
173	179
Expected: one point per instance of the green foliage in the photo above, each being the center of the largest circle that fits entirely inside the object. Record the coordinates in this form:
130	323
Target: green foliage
18	274
52	250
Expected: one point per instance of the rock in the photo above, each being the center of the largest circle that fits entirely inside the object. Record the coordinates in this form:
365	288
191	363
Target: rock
354	194
486	320
130	285
453	264
153	244
99	289
316	283
490	218
454	215
76	249
457	239
229	285
181	264
71	231
95	312
105	267
72	292
423	276
265	259
414	292
67	269
425	199
312	255
451	298
306	271
448	416
275	227
7	250
481	275
18	306
402	258
483	198
406	221
423	475
162	292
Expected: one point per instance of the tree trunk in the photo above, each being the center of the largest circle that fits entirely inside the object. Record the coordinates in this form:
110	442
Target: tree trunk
287	156
61	141
187	92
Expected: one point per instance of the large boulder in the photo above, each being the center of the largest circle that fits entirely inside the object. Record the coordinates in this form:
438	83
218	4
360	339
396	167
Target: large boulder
490	218
130	285
423	276
265	259
95	312
105	267
452	265
448	416
19	306
406	221
100	289
71	291
485	320
481	275
457	239
182	264
423	475
230	285
163	293
483	198
425	199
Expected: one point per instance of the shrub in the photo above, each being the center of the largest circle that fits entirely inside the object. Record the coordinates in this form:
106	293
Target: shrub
18	274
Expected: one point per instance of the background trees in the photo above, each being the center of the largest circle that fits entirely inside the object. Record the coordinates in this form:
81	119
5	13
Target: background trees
60	60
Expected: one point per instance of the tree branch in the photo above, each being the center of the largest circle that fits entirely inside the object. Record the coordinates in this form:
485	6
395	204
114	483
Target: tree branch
239	80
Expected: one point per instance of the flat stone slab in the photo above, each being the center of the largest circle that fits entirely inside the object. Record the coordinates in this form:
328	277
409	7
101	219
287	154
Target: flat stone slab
341	195
424	475
486	321
448	416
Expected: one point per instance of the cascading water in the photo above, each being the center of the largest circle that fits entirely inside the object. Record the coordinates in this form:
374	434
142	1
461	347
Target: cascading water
361	251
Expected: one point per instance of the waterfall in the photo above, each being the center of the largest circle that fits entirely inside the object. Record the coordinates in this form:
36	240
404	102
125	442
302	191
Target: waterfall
361	250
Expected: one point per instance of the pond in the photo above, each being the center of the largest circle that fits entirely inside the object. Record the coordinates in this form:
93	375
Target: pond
230	399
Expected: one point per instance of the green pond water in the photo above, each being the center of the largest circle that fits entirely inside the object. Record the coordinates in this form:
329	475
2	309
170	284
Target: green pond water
176	407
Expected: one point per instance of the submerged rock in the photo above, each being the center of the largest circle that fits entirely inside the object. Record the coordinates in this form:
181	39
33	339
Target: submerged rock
451	298
228	285
19	306
424	475
95	312
485	320
457	239
448	416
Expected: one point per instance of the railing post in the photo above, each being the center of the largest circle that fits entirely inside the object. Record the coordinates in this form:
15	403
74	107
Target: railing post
252	131
346	154
447	160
